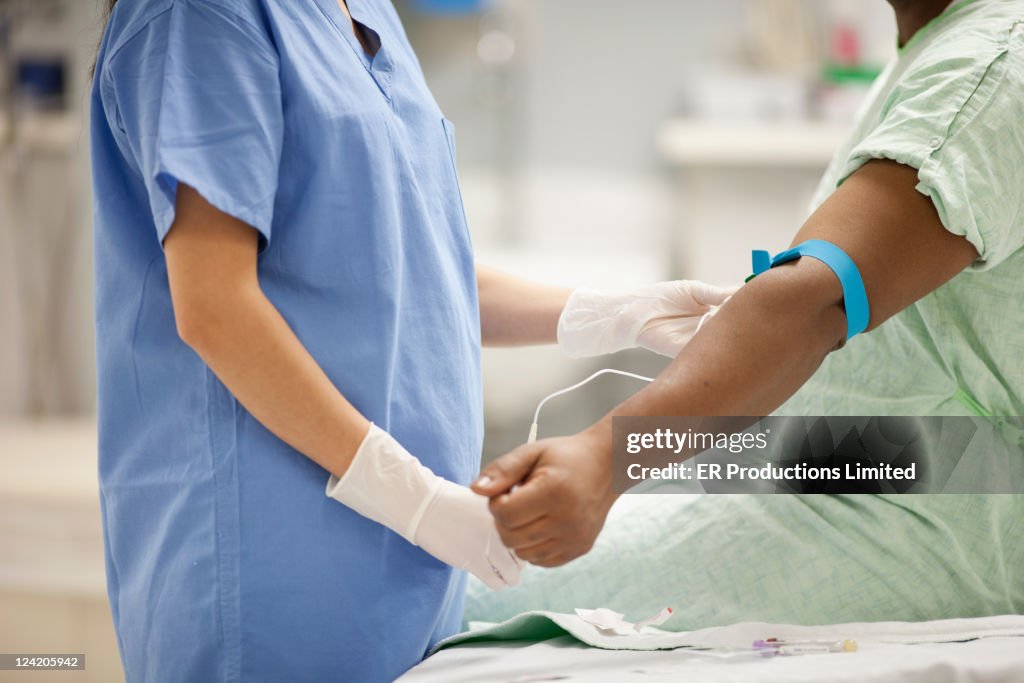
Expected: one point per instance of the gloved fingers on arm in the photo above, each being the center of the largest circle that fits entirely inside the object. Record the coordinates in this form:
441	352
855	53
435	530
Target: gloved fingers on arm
668	336
596	322
690	292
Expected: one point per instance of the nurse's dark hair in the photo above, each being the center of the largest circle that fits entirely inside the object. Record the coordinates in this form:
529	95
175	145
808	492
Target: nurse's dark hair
108	8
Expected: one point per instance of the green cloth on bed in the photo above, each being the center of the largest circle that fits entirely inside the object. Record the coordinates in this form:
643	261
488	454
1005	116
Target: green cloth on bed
543	625
814	559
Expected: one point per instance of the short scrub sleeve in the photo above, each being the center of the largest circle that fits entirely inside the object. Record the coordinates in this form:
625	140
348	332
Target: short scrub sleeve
198	100
956	117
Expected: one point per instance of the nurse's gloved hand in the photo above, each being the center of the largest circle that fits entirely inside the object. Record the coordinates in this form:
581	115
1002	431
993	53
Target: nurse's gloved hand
387	484
458	528
660	318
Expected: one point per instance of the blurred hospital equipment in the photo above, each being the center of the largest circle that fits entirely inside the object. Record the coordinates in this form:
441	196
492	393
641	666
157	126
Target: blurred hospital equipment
46	349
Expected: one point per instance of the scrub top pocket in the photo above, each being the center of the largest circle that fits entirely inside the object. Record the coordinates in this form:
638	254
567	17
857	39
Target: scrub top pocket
449	134
343	230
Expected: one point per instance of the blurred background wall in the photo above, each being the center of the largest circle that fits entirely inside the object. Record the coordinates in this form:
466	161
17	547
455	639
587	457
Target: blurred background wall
599	142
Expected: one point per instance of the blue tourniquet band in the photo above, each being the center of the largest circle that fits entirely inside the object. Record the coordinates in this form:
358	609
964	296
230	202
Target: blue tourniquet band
855	298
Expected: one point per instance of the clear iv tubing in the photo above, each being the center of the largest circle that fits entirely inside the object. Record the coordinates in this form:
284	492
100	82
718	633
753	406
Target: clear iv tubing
606	371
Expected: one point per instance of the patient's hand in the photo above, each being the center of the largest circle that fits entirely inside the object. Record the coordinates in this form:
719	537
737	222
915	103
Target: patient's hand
562	496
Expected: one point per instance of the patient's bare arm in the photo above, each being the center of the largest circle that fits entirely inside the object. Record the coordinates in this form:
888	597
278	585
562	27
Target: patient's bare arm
761	347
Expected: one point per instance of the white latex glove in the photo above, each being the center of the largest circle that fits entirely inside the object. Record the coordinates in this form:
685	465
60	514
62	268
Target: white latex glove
660	318
387	484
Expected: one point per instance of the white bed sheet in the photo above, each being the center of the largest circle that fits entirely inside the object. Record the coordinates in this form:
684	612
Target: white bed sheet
885	656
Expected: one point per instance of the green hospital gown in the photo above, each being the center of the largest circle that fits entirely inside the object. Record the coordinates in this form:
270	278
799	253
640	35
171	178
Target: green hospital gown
952	106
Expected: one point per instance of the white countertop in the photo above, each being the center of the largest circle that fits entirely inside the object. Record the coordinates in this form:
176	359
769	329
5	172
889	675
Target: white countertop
691	143
48	460
50	532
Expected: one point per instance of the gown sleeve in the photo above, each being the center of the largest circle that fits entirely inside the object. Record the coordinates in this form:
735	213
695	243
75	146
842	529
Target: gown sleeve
955	117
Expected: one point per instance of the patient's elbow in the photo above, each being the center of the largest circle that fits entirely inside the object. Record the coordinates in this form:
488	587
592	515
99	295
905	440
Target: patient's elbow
830	328
805	299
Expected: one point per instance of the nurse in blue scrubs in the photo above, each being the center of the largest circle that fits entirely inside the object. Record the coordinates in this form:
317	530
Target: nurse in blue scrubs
287	306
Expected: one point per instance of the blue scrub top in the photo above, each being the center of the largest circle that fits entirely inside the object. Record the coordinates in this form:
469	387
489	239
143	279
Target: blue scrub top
225	560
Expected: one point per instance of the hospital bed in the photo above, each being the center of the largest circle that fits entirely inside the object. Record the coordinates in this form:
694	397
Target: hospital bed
918	581
980	650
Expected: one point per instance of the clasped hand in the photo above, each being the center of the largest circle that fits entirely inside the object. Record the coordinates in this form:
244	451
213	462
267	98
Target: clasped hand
561	496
